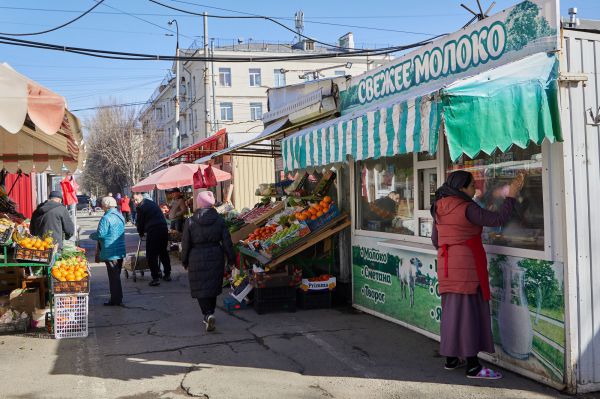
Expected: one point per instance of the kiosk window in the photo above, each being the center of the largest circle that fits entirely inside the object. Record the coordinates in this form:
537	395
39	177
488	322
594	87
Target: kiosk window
386	195
493	173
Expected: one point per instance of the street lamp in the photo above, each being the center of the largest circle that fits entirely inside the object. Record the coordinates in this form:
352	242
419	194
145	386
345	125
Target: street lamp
176	85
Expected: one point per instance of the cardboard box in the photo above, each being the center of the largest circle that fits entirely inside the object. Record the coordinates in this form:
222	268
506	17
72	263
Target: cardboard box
25	300
243	233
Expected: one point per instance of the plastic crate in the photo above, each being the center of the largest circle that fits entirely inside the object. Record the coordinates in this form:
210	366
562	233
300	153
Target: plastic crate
290	277
34	255
71	316
19	326
272	299
315	225
314	299
71	287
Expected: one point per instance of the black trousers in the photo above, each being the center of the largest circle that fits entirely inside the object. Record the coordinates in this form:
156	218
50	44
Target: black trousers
126	216
207	305
156	248
113	268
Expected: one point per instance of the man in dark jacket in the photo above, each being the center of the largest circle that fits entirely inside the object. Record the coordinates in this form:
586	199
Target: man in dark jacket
151	222
205	244
52	216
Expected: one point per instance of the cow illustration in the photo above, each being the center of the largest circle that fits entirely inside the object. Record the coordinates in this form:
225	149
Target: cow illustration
407	274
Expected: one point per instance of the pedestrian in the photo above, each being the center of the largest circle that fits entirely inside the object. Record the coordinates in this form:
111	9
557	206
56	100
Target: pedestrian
205	245
151	222
52	217
177	210
125	208
133	208
462	270
118	199
111	238
93	203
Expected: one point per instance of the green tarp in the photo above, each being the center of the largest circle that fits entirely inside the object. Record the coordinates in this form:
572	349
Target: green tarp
514	104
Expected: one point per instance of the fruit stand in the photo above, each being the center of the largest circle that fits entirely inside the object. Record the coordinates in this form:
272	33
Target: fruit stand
62	278
274	238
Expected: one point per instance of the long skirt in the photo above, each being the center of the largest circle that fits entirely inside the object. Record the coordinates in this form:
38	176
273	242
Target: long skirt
466	325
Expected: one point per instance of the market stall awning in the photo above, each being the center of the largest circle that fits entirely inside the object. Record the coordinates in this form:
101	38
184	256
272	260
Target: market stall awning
391	129
30	149
179	175
209	145
257	146
514	104
21	97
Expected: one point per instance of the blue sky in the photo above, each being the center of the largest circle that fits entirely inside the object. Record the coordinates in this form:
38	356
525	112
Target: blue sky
118	25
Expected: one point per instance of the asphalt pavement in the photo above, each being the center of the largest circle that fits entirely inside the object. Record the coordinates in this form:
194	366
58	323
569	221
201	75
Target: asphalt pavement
155	346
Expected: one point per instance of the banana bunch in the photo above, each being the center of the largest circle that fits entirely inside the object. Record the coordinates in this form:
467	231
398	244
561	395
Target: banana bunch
237	280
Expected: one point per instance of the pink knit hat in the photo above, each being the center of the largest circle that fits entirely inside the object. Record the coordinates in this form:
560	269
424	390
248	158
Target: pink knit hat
205	199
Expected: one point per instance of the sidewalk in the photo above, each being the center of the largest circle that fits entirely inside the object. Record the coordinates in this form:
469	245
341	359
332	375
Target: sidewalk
156	347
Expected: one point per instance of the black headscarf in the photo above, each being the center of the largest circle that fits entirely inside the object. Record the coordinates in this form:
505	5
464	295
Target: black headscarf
451	188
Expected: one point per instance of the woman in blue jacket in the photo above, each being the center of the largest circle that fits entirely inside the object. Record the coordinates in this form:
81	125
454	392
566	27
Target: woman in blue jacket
111	237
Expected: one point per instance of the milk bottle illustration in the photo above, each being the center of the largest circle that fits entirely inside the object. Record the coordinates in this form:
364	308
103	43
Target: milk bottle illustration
516	334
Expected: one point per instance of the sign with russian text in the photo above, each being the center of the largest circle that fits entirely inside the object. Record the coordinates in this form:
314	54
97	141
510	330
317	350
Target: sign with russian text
525	29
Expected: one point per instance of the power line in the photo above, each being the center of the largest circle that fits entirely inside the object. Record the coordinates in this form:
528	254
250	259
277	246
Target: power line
58	27
145	20
250	16
151	57
310	21
276	17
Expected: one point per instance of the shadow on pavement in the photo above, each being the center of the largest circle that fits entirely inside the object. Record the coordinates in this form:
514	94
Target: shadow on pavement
159	332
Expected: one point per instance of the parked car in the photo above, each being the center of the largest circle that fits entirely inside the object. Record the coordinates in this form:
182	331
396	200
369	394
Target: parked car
82	201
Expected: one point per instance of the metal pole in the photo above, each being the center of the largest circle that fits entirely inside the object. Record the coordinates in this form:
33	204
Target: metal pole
177	82
206	100
212	75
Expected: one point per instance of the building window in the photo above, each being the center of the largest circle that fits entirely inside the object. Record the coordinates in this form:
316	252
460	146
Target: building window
225	77
278	78
493	174
254	77
193	93
195	119
255	111
226	111
386	195
340	73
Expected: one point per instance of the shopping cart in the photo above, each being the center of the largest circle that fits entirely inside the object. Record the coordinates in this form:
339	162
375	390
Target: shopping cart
136	263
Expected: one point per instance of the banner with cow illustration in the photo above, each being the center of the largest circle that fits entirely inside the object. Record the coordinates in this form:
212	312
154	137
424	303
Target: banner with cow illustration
528	316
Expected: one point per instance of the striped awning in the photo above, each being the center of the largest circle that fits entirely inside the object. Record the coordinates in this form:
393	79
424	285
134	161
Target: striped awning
400	128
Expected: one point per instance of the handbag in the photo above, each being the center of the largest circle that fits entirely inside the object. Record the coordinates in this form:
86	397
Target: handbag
198	179
209	177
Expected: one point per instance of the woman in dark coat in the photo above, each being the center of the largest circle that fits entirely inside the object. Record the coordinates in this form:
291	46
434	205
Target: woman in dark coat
462	270
205	244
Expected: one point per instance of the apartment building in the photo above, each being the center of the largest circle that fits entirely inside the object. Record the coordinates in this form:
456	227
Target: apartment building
237	91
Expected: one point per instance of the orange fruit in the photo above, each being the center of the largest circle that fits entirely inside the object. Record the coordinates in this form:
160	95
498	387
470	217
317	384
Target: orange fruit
327	199
319	214
313	217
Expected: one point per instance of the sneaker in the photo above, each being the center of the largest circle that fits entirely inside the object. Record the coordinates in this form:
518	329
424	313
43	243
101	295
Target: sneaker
210	322
167	277
155	282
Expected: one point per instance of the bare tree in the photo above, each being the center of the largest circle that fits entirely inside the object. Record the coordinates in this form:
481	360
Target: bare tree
119	151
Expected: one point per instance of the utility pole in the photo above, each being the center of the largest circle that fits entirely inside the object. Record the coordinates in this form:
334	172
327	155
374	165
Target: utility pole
213	83
206	99
177	74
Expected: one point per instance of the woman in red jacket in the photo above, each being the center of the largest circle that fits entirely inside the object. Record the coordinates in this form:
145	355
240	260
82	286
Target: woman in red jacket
462	270
125	207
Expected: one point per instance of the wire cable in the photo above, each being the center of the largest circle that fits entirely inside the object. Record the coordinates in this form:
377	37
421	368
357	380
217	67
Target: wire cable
151	57
253	17
58	27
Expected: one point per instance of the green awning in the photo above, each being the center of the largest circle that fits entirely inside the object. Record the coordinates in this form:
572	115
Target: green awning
511	105
392	129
